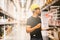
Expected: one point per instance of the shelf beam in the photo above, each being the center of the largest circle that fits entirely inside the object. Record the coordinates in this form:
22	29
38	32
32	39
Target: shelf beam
49	4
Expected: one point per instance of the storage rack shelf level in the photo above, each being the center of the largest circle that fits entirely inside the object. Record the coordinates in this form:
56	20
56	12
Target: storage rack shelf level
48	5
6	13
7	22
56	26
55	3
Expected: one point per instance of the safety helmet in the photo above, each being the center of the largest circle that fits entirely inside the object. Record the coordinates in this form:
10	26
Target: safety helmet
34	6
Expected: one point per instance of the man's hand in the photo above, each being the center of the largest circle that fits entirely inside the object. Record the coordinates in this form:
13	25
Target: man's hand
38	26
29	29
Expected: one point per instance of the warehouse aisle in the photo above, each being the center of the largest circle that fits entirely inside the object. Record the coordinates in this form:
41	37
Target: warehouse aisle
14	15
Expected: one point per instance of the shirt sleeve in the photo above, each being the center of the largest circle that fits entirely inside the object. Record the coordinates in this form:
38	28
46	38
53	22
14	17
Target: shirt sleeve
29	22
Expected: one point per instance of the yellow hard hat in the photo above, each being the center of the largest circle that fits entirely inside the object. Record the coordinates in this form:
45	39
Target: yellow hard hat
34	6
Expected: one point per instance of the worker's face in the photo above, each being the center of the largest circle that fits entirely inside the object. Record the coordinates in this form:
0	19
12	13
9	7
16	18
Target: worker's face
38	11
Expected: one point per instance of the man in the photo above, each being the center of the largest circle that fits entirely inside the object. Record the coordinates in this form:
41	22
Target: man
34	23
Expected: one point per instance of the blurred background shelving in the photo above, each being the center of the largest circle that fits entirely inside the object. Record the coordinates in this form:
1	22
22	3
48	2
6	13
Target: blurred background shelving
7	22
14	14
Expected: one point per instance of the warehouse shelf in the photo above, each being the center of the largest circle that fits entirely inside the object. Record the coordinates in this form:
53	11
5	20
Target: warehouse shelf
7	21
55	7
45	7
6	13
3	23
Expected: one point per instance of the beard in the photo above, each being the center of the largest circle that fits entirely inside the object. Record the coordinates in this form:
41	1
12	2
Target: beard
39	14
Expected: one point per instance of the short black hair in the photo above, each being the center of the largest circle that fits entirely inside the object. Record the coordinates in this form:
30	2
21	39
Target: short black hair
37	8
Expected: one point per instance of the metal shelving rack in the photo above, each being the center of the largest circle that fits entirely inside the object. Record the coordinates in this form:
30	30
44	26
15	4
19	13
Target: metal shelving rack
56	20
46	6
6	13
3	23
